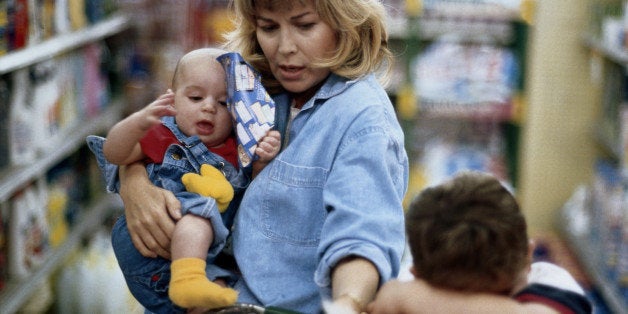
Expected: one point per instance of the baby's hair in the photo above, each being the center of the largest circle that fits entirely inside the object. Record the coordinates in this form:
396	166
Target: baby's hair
191	58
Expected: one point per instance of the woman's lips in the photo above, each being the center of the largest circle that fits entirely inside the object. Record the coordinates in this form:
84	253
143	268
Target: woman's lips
291	72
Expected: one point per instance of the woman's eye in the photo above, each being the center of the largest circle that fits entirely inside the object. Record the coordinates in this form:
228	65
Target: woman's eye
267	28
306	25
195	98
224	103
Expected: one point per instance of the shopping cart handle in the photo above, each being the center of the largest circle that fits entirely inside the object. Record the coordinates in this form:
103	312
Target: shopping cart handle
243	308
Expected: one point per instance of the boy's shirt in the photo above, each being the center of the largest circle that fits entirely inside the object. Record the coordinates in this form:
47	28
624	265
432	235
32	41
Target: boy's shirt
157	140
554	286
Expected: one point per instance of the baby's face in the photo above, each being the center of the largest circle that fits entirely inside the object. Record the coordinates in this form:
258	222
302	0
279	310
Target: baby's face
201	102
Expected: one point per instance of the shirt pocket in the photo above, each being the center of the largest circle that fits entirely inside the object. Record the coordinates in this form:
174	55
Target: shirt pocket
294	210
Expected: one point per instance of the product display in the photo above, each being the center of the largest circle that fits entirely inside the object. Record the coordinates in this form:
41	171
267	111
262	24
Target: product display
54	90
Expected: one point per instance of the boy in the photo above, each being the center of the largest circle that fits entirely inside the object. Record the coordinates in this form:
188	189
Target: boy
185	129
469	245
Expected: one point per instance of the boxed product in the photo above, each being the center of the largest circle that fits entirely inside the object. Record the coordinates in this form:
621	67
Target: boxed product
251	107
28	242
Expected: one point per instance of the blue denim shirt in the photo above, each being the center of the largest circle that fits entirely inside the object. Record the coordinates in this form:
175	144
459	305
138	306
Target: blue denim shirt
180	159
335	190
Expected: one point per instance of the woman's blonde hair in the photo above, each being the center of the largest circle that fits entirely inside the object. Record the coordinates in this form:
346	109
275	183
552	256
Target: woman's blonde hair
360	30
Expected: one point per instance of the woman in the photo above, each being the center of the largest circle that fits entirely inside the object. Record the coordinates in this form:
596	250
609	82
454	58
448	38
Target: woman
323	220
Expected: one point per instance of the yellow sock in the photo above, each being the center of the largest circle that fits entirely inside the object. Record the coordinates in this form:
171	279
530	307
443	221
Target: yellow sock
190	288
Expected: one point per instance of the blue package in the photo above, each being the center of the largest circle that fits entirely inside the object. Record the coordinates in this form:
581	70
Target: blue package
251	107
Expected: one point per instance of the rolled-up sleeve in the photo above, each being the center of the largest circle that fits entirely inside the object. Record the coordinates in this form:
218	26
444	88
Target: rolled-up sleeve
363	197
108	170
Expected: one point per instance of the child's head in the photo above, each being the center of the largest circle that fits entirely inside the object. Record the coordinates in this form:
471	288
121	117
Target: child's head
200	88
468	234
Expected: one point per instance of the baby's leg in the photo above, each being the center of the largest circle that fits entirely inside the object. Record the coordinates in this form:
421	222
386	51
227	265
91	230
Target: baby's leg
147	278
189	286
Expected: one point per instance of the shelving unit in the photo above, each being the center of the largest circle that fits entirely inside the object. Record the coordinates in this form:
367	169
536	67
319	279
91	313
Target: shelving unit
581	219
13	178
503	33
16	293
588	255
62	43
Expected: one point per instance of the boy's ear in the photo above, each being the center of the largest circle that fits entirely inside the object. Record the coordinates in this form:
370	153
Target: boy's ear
414	272
531	246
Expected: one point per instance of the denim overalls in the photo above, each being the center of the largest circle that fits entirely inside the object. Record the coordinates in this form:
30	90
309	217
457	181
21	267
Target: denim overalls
148	278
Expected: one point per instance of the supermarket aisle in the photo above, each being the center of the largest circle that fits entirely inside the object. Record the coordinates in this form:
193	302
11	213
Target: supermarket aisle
104	59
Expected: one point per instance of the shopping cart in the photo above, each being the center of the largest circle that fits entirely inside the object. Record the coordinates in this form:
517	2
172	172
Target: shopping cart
243	308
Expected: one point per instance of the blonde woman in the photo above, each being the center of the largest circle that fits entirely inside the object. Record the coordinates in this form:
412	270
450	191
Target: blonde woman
324	219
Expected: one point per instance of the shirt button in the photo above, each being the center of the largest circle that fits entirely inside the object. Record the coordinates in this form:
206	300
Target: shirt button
176	156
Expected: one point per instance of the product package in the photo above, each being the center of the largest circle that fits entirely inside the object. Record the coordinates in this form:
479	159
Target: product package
250	105
28	245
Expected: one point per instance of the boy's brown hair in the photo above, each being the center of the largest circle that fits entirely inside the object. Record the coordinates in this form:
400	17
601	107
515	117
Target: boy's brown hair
468	234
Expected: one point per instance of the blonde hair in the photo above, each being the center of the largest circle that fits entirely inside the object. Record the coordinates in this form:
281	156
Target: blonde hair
360	30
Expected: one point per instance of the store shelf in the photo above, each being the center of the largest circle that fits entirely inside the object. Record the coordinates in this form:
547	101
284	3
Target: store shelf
13	178
481	111
16	293
589	257
62	43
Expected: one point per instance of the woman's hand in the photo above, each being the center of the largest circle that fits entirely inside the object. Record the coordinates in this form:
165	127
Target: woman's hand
151	212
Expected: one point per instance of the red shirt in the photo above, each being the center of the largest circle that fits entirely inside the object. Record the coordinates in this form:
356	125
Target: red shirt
156	141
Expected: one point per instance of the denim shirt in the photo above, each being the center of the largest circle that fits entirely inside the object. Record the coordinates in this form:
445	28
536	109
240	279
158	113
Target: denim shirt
180	159
335	190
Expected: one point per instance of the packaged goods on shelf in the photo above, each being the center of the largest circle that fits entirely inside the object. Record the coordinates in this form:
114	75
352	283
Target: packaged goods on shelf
67	109
22	142
62	17
28	231
46	103
17	28
447	146
5	98
622	262
76	12
4	215
95	85
4	27
52	94
80	287
609	209
43	96
29	22
459	79
69	182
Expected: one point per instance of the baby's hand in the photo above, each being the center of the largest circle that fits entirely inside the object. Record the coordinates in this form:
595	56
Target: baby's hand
269	146
152	113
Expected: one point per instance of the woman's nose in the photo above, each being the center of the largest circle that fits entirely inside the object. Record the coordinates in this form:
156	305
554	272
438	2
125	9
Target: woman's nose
286	42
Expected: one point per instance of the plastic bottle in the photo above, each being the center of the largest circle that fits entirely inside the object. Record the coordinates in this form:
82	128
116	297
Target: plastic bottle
21	133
